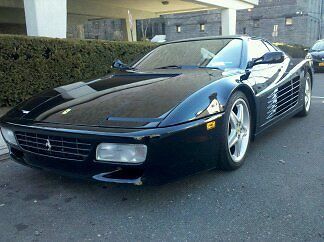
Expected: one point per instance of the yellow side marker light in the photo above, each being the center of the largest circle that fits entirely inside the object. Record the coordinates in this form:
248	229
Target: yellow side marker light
211	125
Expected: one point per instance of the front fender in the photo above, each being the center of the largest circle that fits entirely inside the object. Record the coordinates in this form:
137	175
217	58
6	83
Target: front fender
210	100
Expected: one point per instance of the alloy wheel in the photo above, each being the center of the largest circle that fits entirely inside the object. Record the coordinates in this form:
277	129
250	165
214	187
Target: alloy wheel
238	130
308	93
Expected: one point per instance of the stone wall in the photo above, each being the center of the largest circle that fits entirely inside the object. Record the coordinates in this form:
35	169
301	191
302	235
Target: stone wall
263	21
267	20
105	29
108	29
7	28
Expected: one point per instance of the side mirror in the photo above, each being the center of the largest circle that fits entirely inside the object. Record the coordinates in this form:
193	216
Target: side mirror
268	58
118	64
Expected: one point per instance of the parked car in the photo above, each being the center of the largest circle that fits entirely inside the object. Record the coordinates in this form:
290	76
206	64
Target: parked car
185	107
316	53
159	39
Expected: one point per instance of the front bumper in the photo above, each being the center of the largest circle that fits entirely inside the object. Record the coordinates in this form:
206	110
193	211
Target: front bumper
173	152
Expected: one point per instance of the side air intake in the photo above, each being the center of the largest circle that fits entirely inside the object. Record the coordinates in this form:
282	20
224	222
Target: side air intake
283	98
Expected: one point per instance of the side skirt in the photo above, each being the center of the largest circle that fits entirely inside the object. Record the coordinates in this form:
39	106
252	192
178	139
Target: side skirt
278	121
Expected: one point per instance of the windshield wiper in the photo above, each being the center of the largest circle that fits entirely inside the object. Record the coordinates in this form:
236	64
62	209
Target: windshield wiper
188	67
170	67
211	67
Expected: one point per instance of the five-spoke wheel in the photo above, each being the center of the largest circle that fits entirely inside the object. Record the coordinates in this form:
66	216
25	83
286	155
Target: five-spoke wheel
308	92
237	132
307	96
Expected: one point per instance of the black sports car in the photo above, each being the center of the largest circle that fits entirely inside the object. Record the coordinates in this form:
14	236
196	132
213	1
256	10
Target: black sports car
185	107
316	53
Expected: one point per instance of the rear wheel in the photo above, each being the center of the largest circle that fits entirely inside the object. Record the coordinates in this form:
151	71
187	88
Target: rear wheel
236	132
308	96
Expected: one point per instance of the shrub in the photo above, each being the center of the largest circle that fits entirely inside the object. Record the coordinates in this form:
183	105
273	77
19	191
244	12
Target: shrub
29	65
295	51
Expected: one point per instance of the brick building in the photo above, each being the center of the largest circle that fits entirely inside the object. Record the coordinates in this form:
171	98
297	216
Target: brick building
290	21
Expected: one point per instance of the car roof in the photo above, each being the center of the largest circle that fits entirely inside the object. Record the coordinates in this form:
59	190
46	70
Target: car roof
243	37
321	40
210	38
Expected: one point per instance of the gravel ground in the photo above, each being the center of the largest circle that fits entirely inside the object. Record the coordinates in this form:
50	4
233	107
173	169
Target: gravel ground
278	195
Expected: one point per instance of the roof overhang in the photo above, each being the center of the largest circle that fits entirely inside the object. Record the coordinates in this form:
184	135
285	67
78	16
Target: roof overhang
232	4
141	8
151	8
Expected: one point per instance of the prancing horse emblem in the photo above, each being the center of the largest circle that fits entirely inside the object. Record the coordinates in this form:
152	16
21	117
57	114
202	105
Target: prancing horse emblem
48	145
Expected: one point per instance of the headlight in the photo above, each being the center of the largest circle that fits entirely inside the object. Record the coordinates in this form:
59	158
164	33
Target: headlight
123	153
9	136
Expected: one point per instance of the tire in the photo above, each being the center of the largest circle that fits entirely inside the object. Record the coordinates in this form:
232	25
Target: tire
236	133
308	96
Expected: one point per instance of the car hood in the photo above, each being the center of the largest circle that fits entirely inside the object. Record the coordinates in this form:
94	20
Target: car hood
125	100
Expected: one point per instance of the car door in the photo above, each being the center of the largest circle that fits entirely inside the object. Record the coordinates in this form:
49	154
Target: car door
267	79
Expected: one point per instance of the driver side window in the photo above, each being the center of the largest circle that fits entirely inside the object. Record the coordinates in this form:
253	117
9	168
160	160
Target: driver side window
257	49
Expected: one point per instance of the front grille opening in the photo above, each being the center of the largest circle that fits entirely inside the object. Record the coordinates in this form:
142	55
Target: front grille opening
126	174
17	153
54	146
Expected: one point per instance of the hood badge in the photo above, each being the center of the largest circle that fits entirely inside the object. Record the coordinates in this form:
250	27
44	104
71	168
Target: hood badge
66	111
48	145
25	111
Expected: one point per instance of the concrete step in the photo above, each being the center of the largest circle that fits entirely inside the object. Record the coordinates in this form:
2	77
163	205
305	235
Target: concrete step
3	147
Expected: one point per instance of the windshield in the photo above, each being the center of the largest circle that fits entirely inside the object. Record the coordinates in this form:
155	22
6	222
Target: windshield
217	53
318	46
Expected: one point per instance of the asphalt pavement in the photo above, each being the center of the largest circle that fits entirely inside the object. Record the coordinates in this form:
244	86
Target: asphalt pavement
278	195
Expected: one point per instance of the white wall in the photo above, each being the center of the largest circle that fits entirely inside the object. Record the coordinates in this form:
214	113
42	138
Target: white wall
46	18
228	22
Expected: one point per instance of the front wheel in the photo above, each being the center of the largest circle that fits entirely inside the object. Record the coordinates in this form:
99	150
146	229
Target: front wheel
236	132
307	97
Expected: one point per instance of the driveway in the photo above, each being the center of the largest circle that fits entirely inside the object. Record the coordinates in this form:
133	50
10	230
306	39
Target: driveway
278	195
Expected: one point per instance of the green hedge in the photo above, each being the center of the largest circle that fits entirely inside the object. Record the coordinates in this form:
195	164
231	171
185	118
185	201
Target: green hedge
29	65
295	51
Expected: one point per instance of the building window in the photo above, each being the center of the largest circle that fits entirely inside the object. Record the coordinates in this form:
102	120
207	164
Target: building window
275	30
220	30
178	29
289	21
256	23
202	27
244	30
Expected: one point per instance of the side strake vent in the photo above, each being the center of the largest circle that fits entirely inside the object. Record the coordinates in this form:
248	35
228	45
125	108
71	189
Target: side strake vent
283	98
